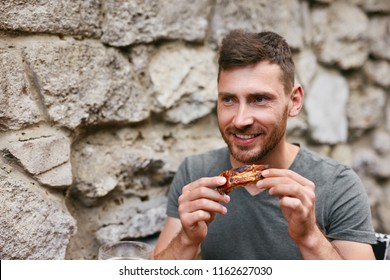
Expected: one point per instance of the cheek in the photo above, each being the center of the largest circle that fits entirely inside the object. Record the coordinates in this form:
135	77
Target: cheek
224	116
265	117
268	121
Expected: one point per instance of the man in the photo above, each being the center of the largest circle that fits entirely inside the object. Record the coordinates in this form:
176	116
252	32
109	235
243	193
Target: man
306	207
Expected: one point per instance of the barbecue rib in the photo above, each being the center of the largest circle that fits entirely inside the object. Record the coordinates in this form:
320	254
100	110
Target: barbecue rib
241	176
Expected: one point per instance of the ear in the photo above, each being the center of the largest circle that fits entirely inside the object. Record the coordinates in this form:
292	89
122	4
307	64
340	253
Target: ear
296	100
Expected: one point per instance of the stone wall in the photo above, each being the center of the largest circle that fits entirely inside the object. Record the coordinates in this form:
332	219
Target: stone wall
100	100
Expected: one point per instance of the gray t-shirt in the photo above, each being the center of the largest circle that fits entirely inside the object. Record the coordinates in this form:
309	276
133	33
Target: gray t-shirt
254	227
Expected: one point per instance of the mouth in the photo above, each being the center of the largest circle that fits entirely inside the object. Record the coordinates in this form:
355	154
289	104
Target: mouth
245	140
245	136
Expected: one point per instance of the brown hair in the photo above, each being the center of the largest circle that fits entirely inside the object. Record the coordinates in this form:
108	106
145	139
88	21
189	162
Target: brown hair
241	48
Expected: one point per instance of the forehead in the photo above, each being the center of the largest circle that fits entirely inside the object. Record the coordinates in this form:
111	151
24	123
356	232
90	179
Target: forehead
260	77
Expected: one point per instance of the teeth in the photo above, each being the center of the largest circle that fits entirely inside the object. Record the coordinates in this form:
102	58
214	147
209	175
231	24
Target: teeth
245	137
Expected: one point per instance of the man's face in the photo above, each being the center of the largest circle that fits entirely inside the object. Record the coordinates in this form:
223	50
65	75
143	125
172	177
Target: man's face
252	111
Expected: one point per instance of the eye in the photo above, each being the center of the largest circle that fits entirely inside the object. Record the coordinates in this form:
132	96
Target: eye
227	99
260	99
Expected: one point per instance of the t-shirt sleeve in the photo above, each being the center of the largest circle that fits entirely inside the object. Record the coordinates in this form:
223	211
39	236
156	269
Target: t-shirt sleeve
349	215
179	181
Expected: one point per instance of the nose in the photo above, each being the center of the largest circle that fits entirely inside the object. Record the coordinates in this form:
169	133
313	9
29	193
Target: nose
243	117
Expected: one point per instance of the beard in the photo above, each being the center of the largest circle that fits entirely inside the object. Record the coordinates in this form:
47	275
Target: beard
255	154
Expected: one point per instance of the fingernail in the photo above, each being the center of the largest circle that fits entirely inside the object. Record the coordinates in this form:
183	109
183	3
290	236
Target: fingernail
259	183
224	210
222	180
226	198
264	173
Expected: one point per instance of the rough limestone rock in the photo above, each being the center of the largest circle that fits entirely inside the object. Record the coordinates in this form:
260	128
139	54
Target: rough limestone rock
46	157
17	106
68	17
338	34
365	108
34	224
381	142
143	223
326	108
100	168
184	82
135	159
84	83
371	163
378	72
363	160
384	210
306	67
342	153
379	36
257	16
60	176
122	177
120	216
387	113
373	5
381	167
130	21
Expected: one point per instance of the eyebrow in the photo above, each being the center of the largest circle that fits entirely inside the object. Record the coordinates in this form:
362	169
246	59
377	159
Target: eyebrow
252	94
225	94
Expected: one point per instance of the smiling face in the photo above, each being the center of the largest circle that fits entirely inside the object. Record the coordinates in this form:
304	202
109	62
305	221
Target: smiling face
252	111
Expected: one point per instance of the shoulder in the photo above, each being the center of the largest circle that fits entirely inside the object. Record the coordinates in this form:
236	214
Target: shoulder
311	158
321	168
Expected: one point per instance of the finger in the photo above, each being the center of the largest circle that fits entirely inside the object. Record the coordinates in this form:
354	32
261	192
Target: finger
203	188
290	188
297	209
206	193
211	218
291	203
286	187
190	219
203	204
274	172
209	182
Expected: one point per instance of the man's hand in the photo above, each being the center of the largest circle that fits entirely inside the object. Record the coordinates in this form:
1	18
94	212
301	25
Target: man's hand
198	205
296	200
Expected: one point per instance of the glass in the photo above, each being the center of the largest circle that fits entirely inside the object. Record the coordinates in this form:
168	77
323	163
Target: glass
125	250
